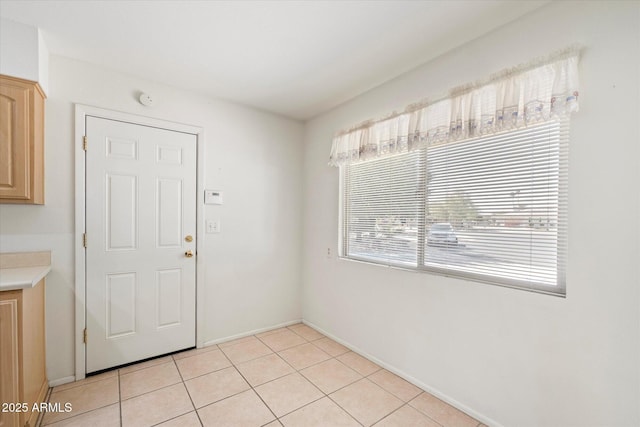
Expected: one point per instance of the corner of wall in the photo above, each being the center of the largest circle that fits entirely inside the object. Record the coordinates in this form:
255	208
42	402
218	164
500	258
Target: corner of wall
43	63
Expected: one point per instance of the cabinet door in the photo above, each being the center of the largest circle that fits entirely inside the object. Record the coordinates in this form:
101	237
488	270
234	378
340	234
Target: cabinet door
33	354
9	368
15	165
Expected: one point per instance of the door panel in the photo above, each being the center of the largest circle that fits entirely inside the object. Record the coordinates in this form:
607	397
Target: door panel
169	296
141	204
122	212
121	304
169	232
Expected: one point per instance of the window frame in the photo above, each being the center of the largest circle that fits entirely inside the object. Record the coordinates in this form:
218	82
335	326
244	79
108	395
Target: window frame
561	242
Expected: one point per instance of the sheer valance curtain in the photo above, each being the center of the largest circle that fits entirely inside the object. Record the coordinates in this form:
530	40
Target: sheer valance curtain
540	91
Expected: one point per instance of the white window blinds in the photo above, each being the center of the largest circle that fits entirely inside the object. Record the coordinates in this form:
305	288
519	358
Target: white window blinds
383	206
505	199
492	209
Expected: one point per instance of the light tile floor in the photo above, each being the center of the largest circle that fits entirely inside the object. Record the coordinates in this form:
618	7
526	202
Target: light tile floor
288	377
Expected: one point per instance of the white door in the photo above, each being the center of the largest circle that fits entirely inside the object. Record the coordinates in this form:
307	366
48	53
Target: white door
141	228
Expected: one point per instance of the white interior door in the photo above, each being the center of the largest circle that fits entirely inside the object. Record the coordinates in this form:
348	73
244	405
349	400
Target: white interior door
140	229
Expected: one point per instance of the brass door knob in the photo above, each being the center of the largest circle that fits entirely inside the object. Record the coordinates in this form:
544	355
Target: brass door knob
188	254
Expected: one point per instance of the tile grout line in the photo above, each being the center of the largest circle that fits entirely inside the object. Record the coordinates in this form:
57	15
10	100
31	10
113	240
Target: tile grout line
204	350
423	413
156	389
282	349
185	385
402	406
151	391
304	406
86	412
146	367
346	412
345	386
80	383
40	418
81	413
119	398
187	390
254	390
297	371
206	373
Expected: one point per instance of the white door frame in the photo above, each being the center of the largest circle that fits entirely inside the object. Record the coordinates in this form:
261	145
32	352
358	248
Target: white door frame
81	112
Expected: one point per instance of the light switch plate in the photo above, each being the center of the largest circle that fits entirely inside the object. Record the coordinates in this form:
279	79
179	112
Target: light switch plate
213	226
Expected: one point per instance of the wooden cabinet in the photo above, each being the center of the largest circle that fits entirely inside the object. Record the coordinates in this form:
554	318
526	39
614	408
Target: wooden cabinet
21	141
9	355
23	378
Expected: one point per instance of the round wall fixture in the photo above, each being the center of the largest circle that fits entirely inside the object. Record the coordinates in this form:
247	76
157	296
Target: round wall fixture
146	100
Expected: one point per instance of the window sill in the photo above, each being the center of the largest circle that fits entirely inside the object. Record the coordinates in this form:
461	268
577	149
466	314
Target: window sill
529	287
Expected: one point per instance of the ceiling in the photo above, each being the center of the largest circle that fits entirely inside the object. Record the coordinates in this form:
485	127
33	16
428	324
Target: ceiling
294	58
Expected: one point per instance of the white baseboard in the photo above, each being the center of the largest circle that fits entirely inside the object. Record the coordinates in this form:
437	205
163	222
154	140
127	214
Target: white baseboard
60	381
467	410
249	333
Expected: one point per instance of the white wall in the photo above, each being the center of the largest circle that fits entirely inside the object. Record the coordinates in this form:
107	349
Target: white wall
23	53
253	267
510	357
43	63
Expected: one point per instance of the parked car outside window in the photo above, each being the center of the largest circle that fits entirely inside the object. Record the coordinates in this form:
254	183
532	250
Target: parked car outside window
442	233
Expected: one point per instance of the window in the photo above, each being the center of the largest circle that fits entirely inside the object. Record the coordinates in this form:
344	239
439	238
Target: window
491	209
473	185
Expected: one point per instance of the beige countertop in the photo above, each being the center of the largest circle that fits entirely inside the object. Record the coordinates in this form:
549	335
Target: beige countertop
20	270
23	277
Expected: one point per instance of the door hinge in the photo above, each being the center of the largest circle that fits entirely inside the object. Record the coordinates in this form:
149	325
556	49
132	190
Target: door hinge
84	143
84	239
84	336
